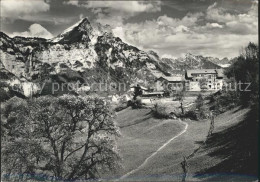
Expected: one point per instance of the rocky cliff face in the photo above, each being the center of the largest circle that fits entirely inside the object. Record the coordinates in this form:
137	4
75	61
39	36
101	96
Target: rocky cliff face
82	52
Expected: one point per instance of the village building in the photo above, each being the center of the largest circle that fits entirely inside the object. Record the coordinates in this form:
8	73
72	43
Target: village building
210	79
169	83
144	89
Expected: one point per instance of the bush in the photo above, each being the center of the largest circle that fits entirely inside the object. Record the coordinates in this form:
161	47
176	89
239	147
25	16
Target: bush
225	101
121	107
160	112
199	102
191	115
202	113
137	104
201	109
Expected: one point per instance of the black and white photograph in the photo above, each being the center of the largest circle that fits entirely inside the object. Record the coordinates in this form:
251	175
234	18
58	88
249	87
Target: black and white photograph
129	91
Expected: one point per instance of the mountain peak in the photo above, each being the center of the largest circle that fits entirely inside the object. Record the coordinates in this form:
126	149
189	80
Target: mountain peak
80	31
84	21
84	24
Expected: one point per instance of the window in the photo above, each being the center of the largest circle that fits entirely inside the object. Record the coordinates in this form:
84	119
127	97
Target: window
209	76
209	86
196	80
209	81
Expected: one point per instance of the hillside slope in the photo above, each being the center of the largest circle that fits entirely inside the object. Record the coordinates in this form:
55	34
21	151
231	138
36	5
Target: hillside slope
230	153
142	135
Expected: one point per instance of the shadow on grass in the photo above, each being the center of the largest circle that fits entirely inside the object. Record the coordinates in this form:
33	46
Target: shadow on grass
237	146
142	119
199	142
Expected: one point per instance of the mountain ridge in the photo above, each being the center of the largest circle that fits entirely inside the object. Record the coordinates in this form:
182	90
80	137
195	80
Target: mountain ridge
89	52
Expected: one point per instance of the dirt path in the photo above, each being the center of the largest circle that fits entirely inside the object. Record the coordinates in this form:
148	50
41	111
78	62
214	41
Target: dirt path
153	154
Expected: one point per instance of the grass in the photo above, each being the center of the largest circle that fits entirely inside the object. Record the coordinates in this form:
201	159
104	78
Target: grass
142	135
232	149
225	153
165	166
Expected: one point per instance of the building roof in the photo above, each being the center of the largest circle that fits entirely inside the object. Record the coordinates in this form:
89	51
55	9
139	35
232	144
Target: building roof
143	88
181	72
172	78
219	72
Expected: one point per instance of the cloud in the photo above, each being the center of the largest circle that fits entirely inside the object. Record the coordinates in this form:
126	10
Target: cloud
218	14
35	30
153	32
168	56
221	36
206	44
214	25
119	32
188	20
115	12
243	23
123	6
14	9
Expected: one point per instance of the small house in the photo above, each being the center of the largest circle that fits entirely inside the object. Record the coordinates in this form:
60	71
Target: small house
144	89
169	83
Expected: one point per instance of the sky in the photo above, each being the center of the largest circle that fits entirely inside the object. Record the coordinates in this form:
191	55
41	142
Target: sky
217	28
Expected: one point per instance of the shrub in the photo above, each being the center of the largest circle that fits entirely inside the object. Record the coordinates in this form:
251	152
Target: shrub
199	102
191	115
225	101
202	113
201	109
160	112
137	104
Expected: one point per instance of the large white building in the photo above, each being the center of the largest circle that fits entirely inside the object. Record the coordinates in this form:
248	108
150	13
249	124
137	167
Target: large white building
204	79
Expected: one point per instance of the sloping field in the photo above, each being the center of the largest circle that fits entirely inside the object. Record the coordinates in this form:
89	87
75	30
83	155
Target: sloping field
222	154
165	166
142	135
231	152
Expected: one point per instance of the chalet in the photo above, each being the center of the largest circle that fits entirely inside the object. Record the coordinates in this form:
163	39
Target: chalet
144	89
168	82
208	79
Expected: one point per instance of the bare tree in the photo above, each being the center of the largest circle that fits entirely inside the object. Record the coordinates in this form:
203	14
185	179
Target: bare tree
68	137
184	166
180	98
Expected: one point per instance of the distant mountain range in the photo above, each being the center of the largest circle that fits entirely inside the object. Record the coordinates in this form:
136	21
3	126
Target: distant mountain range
88	53
190	61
